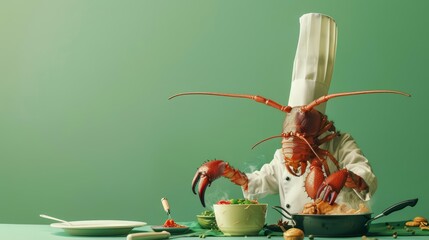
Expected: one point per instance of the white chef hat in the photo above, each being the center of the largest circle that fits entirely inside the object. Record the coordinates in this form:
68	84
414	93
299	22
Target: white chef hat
314	60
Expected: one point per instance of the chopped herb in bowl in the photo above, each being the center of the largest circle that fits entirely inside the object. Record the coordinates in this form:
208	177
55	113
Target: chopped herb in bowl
237	201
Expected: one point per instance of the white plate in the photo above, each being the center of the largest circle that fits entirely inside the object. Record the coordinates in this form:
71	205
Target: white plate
98	227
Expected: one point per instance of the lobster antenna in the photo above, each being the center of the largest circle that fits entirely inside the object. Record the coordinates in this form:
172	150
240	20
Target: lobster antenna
266	139
325	98
256	98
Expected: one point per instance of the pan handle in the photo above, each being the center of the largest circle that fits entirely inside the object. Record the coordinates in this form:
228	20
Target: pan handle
288	216
394	208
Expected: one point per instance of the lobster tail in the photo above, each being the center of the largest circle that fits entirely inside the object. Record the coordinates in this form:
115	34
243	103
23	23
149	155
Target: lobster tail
325	98
256	98
288	135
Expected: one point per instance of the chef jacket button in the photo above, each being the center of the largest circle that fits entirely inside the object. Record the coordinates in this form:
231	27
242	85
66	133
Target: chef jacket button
288	178
287	205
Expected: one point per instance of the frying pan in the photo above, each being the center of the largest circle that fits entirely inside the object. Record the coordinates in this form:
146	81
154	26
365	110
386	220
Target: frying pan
345	225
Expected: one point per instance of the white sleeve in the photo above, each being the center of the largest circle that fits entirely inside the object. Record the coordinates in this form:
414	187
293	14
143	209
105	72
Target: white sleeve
264	182
350	156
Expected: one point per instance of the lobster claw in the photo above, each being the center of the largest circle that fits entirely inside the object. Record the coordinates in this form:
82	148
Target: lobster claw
205	175
314	179
332	186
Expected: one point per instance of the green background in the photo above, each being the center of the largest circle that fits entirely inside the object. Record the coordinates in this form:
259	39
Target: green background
87	132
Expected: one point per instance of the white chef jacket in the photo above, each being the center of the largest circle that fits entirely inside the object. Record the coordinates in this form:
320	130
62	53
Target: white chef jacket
273	178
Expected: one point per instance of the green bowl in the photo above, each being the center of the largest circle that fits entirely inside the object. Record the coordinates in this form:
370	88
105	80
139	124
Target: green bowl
207	222
240	219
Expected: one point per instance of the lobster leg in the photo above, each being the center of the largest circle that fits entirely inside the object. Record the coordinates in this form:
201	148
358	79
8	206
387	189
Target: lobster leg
333	159
328	125
327	138
356	182
210	171
294	170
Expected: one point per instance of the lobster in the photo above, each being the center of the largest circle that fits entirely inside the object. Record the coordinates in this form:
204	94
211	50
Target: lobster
304	130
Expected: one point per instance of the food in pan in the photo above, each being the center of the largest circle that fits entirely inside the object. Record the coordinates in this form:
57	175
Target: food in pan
322	207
